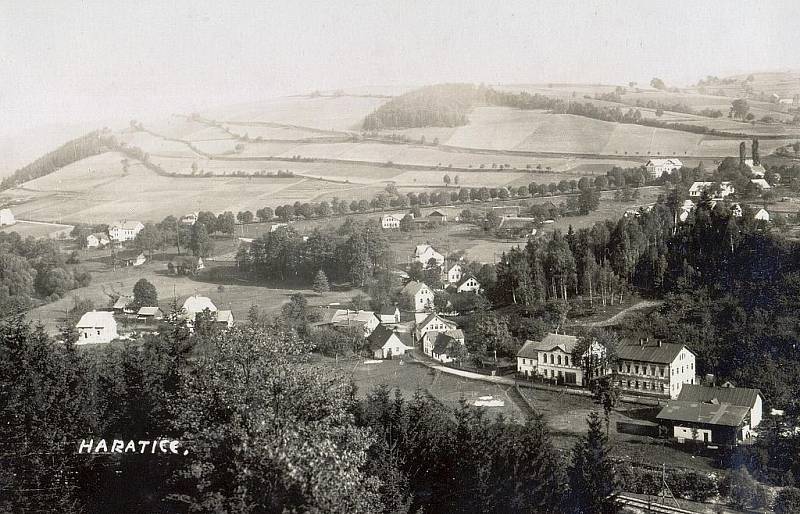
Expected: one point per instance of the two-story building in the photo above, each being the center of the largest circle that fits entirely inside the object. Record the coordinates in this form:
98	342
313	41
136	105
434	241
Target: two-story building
419	295
468	284
390	221
433	323
552	359
657	167
454	273
124	230
655	367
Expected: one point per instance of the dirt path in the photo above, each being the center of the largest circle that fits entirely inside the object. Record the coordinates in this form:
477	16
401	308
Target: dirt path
616	318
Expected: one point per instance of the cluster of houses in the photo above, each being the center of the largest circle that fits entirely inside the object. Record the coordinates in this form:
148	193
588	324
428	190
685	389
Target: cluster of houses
759	213
97	327
694	412
118	232
392	221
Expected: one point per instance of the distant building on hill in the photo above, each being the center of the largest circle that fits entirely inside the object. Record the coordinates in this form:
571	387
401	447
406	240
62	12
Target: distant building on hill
657	167
725	189
6	217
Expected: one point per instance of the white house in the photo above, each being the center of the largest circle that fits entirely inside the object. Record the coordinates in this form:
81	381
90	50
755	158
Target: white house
424	253
196	304
657	167
6	217
655	368
439	344
386	343
190	219
761	215
454	273
345	318
761	183
419	295
469	284
433	323
725	189
97	327
96	240
551	358
130	258
390	221
389	314
124	230
225	318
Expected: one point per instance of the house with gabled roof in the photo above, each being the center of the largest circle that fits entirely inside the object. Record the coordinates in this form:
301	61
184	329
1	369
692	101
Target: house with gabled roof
424	253
390	221
185	265
713	415
96	327
757	170
433	323
97	240
725	189
197	304
551	359
655	367
130	257
389	314
468	284
447	348
433	337
149	314
386	343
419	295
437	217
454	273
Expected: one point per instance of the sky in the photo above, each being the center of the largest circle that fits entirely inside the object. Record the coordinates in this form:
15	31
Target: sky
77	63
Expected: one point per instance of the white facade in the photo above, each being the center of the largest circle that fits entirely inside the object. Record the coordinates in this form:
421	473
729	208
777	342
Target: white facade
390	221
657	378
454	274
657	167
97	327
195	304
434	323
393	347
469	285
420	295
424	253
6	217
96	240
725	189
761	215
125	231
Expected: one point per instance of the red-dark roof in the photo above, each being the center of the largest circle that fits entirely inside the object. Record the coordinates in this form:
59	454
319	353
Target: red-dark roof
739	396
723	414
663	353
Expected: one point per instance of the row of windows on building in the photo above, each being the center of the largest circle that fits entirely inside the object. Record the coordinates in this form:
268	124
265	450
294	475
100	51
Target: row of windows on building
553	360
652	370
646	385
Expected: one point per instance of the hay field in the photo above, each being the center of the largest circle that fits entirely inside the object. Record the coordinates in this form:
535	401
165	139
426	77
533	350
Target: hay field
37	230
84	175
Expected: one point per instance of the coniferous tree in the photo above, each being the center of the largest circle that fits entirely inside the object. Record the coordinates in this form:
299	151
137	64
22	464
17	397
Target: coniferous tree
592	477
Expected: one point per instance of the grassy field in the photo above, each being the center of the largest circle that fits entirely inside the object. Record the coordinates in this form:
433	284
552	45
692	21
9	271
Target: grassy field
235	294
28	229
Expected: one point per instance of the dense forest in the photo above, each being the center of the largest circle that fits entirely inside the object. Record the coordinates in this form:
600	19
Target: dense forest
442	105
71	151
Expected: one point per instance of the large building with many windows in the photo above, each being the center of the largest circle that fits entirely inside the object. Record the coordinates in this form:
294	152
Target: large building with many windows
655	367
552	359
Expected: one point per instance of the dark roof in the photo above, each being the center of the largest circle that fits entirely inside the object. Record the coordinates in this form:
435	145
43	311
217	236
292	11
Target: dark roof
723	414
438	214
465	278
381	335
664	353
738	396
185	260
444	343
529	350
129	254
551	341
433	315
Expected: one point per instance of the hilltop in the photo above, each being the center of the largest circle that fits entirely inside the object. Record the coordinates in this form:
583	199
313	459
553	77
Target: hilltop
316	147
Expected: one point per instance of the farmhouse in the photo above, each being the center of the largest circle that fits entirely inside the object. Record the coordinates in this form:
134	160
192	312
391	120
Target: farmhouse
419	295
761	183
657	167
190	219
390	221
424	253
6	217
97	327
121	305
518	225
469	284
130	258
454	273
345	318
437	217
389	314
725	189
551	358
96	240
185	265
386	343
656	368
149	313
124	230
713	415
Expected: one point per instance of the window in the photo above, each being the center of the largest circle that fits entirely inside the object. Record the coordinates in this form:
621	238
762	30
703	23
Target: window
637	371
566	360
629	368
98	332
559	361
661	372
552	360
